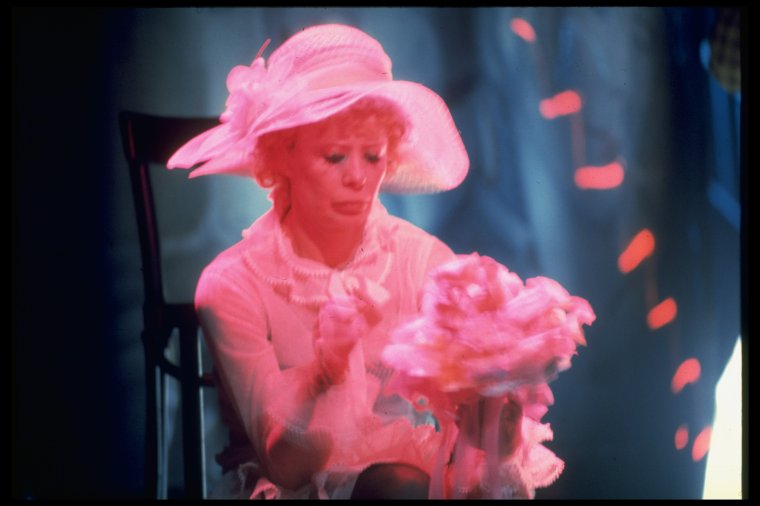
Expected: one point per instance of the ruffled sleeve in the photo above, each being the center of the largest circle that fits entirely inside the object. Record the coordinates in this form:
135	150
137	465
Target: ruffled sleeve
295	427
274	405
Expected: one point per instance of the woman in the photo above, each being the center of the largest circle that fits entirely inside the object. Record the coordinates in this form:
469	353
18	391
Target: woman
297	313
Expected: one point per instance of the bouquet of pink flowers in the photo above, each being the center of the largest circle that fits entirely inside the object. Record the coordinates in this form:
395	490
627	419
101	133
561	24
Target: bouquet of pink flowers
485	336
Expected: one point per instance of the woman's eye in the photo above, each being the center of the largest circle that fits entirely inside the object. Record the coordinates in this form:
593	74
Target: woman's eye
372	157
335	158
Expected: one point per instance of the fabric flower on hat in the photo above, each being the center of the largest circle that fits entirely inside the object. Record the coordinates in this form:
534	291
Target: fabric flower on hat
248	95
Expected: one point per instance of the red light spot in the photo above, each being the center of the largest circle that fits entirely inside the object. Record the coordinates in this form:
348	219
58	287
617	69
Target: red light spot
688	372
599	178
640	247
682	437
662	314
562	104
701	444
523	29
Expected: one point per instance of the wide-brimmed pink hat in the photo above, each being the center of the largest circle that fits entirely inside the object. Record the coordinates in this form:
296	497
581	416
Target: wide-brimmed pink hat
314	74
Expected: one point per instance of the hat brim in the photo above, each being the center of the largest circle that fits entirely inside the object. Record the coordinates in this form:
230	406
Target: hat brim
430	158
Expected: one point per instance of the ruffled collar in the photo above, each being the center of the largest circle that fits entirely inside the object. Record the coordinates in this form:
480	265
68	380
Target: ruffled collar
310	283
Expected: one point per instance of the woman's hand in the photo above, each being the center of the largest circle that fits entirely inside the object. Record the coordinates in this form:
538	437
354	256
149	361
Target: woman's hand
510	425
291	461
473	418
341	323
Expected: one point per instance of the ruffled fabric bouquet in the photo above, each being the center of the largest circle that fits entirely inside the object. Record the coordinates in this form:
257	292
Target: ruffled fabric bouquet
479	356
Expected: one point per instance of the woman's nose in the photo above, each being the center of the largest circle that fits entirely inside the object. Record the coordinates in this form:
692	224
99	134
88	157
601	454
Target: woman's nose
354	175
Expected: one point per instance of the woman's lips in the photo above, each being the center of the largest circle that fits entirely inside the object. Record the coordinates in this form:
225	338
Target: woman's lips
350	207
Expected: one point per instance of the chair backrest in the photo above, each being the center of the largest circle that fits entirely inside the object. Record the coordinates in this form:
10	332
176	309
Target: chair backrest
148	143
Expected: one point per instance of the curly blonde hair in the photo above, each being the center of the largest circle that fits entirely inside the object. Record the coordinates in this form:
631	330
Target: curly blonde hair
367	113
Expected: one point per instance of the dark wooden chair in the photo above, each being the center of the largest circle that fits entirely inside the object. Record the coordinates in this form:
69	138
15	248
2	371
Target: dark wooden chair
148	142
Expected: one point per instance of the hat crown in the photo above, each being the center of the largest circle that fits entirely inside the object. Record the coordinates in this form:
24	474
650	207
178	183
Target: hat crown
328	56
313	75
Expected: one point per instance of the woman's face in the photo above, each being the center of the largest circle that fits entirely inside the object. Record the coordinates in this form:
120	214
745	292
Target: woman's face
335	174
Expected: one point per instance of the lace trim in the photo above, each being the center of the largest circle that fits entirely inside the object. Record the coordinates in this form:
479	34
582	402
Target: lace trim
295	277
365	254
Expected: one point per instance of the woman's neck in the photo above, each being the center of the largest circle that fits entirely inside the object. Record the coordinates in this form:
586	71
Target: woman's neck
330	245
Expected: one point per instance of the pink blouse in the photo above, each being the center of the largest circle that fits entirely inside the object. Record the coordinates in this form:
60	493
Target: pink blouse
258	303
